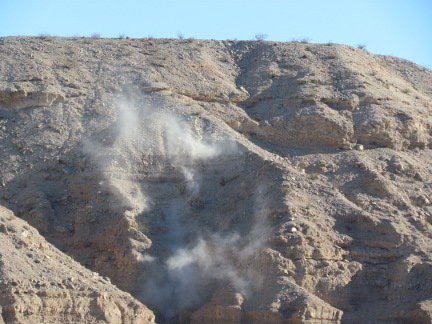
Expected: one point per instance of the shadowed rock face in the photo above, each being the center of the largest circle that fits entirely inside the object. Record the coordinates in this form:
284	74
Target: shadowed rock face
217	182
40	284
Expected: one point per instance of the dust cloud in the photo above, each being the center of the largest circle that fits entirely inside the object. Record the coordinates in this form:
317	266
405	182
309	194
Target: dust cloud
186	275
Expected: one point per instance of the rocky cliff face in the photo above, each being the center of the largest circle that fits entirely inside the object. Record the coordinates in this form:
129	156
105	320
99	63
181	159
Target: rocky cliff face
224	182
40	284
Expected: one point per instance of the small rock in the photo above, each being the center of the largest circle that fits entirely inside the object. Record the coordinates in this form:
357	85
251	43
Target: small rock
422	200
3	229
359	147
395	165
418	177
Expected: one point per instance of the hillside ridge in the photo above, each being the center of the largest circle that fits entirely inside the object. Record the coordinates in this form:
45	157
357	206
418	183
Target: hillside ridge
220	181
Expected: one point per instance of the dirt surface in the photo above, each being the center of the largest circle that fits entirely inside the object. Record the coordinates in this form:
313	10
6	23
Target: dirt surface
215	181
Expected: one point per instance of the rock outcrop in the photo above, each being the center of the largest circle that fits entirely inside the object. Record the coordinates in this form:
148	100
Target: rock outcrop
40	284
216	181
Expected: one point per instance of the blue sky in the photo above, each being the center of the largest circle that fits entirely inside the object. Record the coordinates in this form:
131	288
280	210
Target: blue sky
393	27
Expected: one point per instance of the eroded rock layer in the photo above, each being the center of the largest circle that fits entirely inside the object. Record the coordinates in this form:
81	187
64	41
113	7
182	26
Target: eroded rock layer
224	182
40	284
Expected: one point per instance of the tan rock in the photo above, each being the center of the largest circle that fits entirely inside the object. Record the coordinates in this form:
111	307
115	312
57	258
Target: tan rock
127	153
48	286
